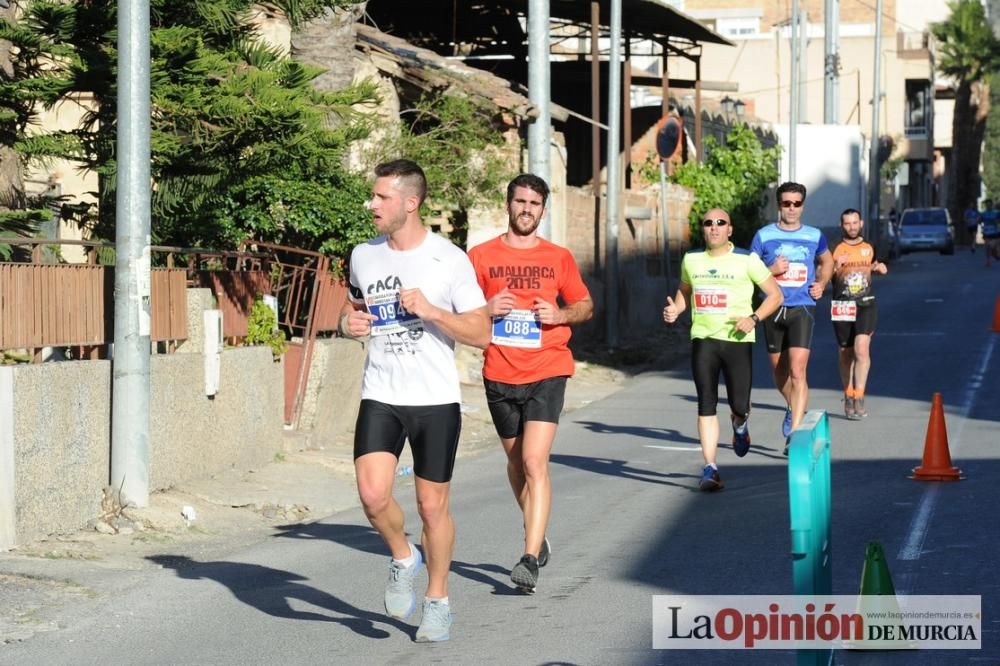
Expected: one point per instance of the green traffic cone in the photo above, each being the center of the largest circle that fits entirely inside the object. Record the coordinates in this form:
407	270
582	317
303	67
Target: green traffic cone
877	596
875	578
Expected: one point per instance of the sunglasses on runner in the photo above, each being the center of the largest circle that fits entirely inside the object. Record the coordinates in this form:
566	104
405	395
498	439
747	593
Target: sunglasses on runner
789	204
717	222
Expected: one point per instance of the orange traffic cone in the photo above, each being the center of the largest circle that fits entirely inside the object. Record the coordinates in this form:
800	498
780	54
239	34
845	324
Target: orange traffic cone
996	316
936	465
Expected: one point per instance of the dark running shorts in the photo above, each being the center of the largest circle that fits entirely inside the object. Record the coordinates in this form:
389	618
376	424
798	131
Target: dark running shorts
789	327
511	405
864	324
433	432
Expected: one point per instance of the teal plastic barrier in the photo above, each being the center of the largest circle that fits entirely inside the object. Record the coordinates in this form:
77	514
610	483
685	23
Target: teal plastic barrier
809	505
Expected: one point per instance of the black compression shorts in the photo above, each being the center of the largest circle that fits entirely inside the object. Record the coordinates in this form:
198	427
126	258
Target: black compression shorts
511	405
433	431
789	327
864	324
735	361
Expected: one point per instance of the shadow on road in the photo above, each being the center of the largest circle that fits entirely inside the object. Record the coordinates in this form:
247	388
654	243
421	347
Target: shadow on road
660	434
620	468
367	540
271	590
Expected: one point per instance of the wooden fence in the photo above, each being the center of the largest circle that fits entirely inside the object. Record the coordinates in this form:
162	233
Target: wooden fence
71	305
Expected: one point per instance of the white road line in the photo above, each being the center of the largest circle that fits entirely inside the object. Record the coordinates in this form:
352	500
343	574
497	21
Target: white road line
914	542
673	448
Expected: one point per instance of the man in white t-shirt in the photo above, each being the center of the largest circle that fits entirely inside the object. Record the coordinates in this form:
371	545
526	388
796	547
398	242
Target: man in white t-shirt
415	294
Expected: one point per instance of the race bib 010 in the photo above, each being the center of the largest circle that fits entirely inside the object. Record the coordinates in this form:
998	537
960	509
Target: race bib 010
843	311
518	328
710	300
390	316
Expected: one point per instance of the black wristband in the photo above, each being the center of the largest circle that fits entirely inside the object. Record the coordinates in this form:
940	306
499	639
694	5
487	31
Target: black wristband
756	319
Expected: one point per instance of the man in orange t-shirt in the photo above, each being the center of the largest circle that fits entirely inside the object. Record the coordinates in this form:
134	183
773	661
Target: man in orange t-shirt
853	310
528	360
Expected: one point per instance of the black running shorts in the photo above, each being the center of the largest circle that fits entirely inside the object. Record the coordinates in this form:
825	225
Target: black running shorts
511	405
735	361
789	327
864	324
433	431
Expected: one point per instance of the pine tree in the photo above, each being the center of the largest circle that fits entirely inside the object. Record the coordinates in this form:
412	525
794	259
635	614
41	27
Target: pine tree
228	112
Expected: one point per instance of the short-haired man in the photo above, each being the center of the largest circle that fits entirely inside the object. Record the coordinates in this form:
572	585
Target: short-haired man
528	359
719	284
792	251
415	294
853	310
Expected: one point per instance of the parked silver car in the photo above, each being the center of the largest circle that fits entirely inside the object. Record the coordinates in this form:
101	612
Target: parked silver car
926	229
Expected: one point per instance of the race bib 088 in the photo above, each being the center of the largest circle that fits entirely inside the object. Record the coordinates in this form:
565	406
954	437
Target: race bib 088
518	328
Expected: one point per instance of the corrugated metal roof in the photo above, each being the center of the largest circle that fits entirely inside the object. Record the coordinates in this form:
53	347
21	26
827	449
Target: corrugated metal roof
427	69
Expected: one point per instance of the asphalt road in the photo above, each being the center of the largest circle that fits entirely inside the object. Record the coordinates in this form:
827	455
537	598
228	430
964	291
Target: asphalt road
628	523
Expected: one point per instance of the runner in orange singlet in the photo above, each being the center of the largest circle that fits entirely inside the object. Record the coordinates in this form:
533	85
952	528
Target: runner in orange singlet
853	310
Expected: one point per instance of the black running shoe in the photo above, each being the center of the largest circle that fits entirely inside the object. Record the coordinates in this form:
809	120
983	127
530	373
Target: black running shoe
525	574
544	552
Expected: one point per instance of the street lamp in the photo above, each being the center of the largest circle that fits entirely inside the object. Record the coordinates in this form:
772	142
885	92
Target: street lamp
740	108
727	105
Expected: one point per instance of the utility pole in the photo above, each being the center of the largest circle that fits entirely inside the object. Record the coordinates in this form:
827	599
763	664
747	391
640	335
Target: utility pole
539	91
831	61
803	66
874	187
130	364
614	177
793	107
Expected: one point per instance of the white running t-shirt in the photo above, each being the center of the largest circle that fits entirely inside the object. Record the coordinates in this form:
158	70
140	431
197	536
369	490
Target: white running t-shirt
411	362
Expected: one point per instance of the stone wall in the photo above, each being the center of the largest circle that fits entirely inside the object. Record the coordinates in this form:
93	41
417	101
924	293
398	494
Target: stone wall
55	431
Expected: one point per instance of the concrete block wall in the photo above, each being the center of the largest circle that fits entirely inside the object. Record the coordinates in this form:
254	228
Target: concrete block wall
55	432
55	450
330	405
192	435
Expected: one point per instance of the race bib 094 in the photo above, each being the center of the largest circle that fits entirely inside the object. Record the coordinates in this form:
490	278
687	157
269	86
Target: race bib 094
390	316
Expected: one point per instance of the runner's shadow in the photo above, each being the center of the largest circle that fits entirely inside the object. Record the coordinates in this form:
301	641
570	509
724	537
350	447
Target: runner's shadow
660	434
271	591
479	573
613	467
367	540
358	537
765	406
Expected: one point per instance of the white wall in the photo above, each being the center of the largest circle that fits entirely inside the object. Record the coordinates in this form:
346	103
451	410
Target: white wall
831	161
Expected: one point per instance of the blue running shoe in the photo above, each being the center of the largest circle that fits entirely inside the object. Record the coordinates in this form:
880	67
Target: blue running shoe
710	479
741	438
786	425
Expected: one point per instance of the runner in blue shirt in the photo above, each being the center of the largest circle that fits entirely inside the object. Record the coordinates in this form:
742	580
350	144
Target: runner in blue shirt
792	251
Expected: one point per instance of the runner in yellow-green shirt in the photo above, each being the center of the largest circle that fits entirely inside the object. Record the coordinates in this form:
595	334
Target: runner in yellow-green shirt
719	283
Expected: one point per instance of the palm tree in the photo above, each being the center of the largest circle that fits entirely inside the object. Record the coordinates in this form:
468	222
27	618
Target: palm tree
968	53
